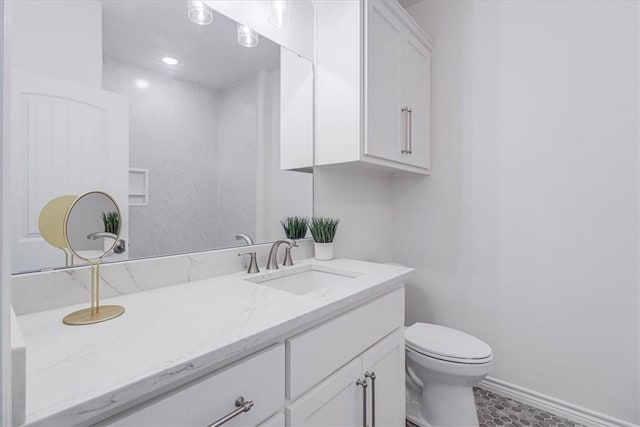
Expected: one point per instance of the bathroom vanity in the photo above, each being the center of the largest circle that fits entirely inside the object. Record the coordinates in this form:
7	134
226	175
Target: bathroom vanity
310	344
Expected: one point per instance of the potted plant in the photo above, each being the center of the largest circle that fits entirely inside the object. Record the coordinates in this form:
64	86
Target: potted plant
323	231
295	227
111	222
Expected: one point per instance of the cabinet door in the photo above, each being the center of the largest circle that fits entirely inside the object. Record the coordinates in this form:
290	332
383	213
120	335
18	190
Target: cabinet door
336	402
383	82
417	95
386	361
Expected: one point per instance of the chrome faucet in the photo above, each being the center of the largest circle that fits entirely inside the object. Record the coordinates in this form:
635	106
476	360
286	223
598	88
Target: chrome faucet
272	260
100	235
253	263
248	240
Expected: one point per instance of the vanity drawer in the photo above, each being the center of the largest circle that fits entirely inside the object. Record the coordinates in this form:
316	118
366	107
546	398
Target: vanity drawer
259	378
313	355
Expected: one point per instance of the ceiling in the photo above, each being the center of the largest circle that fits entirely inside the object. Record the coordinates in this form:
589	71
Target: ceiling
141	32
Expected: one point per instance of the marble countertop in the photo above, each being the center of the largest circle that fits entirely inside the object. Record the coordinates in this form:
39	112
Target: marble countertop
80	374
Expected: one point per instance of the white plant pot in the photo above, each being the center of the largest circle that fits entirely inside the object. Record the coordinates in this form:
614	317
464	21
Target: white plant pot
324	251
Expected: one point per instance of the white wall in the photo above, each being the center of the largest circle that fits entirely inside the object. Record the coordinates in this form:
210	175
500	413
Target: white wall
526	234
75	53
362	202
171	121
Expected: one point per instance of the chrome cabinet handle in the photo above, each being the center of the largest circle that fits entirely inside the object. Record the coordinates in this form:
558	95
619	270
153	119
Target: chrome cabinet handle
408	143
364	385
410	129
241	405
372	375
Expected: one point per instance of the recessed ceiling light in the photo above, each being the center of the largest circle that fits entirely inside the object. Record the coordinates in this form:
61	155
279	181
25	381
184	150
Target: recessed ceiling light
141	83
169	60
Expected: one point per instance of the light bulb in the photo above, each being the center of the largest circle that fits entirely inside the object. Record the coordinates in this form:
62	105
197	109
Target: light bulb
279	14
199	12
169	60
246	36
141	83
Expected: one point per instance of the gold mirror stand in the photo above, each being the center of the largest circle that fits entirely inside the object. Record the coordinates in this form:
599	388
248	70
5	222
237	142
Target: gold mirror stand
96	313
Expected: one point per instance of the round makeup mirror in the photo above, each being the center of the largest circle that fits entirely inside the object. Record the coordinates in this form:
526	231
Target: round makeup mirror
91	232
92	226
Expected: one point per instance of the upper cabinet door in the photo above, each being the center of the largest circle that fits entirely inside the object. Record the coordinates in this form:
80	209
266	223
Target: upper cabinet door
384	47
417	95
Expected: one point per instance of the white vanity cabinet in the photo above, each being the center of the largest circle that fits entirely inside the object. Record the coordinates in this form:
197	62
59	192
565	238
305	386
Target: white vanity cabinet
374	86
347	370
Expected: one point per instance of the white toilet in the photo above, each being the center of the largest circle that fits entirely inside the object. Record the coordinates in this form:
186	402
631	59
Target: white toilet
443	365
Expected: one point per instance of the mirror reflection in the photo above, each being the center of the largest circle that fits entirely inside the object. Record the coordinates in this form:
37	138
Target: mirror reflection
202	141
92	226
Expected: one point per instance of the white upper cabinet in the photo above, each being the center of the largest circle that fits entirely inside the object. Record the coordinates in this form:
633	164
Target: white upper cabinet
374	86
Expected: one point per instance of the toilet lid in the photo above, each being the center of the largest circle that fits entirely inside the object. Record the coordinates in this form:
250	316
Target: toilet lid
445	342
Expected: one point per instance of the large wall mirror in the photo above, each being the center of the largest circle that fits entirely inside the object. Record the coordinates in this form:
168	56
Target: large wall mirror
201	131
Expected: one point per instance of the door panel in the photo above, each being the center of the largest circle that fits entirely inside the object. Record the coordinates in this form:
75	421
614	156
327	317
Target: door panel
66	139
417	91
336	402
386	360
384	90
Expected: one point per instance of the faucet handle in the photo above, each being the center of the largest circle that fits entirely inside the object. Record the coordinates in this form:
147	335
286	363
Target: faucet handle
287	254
253	262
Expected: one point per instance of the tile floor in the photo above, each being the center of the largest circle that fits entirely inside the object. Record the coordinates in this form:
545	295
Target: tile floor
495	410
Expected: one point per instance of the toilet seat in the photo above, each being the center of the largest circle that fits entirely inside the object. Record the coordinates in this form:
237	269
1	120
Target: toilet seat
442	343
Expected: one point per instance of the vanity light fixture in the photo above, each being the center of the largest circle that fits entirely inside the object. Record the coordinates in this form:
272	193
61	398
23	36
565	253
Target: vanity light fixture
279	14
246	36
169	60
199	12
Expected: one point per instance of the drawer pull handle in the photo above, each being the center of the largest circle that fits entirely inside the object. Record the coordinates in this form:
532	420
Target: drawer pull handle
364	385
372	375
241	406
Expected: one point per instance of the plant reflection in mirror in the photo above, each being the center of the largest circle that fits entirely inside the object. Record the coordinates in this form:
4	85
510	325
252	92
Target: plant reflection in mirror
111	222
295	227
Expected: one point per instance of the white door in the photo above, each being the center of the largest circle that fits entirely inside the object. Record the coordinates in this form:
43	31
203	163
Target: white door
66	139
386	361
336	402
417	95
384	75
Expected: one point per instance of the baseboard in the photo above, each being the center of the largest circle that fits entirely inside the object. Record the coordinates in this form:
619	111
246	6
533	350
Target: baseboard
551	404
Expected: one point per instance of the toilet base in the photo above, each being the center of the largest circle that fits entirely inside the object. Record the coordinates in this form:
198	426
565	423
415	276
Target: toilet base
414	405
444	401
414	415
447	405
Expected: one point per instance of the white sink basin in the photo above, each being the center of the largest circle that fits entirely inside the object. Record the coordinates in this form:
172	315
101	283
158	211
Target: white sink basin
304	279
